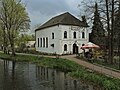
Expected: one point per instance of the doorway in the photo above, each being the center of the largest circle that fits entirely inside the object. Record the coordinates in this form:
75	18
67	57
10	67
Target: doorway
75	49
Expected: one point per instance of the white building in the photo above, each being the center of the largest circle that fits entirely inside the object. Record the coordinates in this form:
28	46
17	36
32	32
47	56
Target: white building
63	34
30	44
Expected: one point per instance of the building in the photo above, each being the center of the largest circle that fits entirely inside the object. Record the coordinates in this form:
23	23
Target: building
30	44
63	34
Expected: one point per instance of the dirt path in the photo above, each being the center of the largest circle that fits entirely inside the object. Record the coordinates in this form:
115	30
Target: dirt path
93	67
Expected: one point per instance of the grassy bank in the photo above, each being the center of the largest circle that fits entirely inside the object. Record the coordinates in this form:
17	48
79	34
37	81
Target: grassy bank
76	71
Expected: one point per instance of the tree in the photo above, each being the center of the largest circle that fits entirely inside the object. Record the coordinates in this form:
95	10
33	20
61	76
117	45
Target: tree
116	31
107	9
24	38
98	33
14	17
3	39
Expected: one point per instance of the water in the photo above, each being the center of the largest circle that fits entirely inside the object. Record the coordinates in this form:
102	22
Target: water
27	76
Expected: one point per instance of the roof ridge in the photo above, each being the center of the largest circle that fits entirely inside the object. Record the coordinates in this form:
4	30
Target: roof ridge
63	19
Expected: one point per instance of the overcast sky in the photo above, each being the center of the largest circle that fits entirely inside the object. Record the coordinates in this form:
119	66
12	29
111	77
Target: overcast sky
42	10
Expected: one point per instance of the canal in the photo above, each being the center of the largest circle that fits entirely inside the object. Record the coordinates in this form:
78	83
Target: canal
28	76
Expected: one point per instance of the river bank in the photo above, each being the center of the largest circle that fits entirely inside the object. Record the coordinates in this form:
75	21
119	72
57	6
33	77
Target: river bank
75	70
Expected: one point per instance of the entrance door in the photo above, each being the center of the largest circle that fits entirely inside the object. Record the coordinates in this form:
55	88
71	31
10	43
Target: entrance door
75	49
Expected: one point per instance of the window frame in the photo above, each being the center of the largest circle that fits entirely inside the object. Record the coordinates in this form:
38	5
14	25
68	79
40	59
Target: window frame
65	34
65	47
74	35
83	35
43	42
38	42
46	42
53	35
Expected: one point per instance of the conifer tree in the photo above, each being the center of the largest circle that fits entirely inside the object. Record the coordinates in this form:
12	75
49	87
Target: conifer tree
97	35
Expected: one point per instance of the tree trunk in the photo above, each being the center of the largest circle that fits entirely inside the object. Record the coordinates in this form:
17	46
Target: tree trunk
12	48
111	37
108	29
11	39
4	41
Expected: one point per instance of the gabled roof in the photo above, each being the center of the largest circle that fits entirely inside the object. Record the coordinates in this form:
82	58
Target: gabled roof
63	19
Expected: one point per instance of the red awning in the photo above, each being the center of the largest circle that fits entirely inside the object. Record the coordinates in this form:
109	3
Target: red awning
90	45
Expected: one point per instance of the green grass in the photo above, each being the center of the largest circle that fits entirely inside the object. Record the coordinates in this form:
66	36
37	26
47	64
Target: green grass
18	57
75	70
61	64
114	66
102	80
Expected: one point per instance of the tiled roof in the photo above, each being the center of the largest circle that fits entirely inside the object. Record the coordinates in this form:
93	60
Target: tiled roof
63	19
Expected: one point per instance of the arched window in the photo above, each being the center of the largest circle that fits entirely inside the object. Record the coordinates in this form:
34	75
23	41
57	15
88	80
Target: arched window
74	34
65	47
65	34
52	35
83	35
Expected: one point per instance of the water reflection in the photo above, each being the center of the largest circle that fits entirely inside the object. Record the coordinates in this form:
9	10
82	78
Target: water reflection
27	76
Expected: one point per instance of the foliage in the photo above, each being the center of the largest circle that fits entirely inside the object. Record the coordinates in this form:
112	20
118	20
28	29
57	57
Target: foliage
1	35
22	40
59	63
116	31
107	82
26	58
14	18
98	33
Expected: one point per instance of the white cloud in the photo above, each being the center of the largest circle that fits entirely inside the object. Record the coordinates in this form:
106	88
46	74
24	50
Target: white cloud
42	10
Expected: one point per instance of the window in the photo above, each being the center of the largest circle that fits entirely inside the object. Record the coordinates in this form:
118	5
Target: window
65	34
38	42
52	35
74	34
46	42
83	35
65	47
52	45
43	42
83	44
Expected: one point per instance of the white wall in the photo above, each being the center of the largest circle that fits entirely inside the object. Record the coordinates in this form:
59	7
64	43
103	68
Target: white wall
47	32
70	40
60	41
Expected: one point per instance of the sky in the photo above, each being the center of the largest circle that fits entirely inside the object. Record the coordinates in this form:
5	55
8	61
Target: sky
41	11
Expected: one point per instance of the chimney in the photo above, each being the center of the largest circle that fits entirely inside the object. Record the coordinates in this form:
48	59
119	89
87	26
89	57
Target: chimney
83	19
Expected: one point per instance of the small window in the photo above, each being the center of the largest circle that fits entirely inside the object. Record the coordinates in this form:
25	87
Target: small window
74	34
83	44
65	34
43	42
83	35
38	42
52	35
46	42
52	45
65	47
